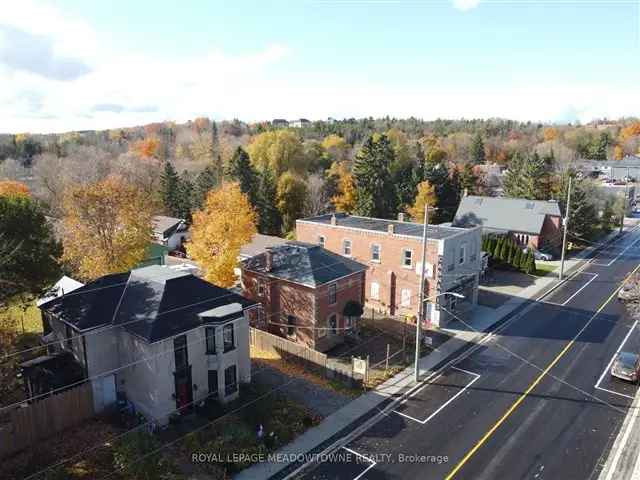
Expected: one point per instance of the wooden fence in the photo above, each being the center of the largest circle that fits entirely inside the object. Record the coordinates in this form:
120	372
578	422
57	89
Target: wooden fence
310	358
24	426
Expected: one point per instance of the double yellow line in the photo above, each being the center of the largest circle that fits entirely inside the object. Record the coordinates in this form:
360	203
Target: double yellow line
535	383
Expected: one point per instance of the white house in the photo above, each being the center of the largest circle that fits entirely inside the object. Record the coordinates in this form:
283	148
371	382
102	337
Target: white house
161	338
170	232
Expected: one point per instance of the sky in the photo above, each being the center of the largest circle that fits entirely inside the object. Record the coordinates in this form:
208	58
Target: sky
79	65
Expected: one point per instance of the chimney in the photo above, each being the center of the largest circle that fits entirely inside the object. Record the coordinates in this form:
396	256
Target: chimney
401	217
391	229
333	219
268	260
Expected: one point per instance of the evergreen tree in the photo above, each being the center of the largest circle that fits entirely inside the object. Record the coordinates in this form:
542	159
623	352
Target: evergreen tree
269	221
477	150
510	251
447	189
530	266
512	183
524	260
583	218
241	170
170	189
376	193
206	181
504	250
185	197
608	218
517	258
468	180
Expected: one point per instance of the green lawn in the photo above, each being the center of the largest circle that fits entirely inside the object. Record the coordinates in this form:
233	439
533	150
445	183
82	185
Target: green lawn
21	317
543	269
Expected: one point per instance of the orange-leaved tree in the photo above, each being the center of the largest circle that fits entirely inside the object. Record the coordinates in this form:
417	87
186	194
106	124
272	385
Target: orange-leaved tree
426	196
11	188
148	147
345	199
107	227
226	223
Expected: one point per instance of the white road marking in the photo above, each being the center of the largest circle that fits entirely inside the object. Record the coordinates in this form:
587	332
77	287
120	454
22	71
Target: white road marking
608	367
593	277
625	438
617	256
373	464
444	405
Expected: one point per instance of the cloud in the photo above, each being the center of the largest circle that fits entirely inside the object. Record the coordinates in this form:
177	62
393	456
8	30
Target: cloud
35	54
465	5
117	108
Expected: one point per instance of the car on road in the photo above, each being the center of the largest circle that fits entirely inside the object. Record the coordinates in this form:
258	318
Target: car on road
626	366
538	255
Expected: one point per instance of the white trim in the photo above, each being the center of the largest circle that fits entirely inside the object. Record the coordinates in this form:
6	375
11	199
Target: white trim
371	259
350	254
404	250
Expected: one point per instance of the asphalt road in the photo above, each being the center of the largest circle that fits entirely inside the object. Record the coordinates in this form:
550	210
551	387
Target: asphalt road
535	402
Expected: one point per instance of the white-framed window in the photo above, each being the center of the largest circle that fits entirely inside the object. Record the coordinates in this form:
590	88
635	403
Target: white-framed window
321	240
462	254
375	252
333	293
375	291
346	247
407	258
405	297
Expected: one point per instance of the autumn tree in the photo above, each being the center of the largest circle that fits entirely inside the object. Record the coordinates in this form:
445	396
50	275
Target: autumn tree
630	131
345	198
618	152
226	223
292	195
107	227
10	188
426	196
148	147
336	148
376	193
280	150
549	134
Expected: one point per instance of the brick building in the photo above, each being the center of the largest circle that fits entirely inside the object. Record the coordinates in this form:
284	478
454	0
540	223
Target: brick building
532	223
308	294
392	250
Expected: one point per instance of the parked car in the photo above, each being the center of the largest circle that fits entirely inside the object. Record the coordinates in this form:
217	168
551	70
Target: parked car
626	366
629	292
538	255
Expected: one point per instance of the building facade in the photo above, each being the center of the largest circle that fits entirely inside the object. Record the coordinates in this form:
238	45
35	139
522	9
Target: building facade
308	293
392	251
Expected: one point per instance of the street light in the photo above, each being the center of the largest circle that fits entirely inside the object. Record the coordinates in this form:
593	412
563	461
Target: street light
418	328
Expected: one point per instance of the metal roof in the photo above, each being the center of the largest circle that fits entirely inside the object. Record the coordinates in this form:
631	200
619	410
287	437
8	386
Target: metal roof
508	214
434	232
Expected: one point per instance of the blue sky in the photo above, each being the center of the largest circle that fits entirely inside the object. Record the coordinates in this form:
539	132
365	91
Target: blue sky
107	64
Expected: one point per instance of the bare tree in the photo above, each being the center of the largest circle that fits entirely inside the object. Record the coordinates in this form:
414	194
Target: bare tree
317	198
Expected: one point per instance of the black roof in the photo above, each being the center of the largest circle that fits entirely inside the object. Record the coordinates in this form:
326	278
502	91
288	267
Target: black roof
434	232
304	263
154	302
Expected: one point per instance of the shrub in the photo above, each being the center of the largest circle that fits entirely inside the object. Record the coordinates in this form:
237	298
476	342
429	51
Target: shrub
137	457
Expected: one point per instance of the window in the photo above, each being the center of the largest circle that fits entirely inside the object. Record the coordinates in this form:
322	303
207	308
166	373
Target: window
321	241
375	252
260	287
375	291
230	381
291	329
227	337
462	253
333	324
346	247
212	377
407	259
180	352
210	333
405	299
333	293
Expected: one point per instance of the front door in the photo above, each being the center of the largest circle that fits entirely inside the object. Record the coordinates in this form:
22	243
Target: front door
182	375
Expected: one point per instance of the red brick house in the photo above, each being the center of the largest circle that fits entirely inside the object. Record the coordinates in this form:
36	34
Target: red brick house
308	293
532	223
392	250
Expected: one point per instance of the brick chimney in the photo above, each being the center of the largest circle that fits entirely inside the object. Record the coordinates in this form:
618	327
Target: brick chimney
268	260
333	219
401	217
391	229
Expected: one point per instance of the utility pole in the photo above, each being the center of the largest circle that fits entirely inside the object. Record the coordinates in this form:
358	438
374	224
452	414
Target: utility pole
421	305
624	200
566	227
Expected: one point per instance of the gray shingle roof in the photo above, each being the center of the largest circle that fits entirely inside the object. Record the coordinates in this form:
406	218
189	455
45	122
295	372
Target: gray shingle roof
259	243
153	302
304	263
505	214
165	226
411	229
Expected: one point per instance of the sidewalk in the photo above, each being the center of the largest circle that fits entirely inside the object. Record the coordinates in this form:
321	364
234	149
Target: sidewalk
359	411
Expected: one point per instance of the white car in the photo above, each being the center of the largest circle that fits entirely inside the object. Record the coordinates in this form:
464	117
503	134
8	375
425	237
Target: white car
626	366
538	255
